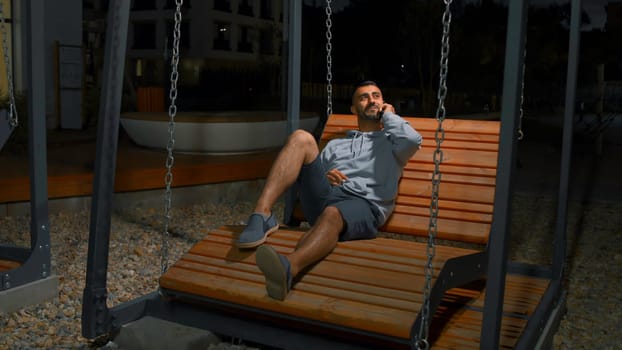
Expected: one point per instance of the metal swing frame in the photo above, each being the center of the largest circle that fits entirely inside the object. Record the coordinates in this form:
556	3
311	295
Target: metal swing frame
98	319
32	282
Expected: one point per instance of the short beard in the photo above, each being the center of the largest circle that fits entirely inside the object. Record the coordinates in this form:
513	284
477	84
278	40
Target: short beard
370	116
364	116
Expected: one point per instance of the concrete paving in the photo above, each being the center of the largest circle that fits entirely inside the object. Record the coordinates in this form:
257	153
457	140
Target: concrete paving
32	293
150	333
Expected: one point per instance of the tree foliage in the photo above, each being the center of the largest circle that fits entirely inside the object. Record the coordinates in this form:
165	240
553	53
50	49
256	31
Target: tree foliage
397	42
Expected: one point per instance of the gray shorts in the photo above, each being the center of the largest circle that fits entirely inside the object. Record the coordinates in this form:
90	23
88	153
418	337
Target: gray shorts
316	193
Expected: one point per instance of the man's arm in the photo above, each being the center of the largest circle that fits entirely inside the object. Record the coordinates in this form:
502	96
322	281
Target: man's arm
406	140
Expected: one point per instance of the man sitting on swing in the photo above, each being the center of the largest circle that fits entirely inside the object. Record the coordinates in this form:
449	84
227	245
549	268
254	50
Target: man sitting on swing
346	192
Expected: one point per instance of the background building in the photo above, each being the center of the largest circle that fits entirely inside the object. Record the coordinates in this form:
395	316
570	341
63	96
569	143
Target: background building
230	49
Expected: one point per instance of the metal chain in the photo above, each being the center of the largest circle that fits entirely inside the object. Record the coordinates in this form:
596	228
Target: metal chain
521	135
172	112
12	112
329	61
439	135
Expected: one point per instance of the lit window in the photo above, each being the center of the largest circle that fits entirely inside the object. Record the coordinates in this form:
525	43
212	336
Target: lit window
221	40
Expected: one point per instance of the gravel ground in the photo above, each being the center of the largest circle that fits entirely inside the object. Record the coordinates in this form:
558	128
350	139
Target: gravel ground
594	270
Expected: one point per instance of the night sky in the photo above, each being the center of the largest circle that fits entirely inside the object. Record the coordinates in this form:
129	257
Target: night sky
594	8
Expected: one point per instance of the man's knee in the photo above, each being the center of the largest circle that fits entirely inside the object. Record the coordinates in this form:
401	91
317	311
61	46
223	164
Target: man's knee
303	140
301	136
332	215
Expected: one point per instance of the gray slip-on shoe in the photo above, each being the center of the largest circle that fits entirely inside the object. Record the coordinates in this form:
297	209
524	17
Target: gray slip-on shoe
257	230
276	269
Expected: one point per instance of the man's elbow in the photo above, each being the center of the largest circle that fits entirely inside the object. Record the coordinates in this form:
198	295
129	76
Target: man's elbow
415	140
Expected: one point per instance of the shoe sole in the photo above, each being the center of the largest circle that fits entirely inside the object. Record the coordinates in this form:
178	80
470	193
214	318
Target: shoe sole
268	261
259	242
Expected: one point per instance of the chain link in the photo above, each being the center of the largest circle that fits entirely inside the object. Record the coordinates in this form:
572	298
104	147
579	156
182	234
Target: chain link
439	136
170	160
521	135
12	112
329	60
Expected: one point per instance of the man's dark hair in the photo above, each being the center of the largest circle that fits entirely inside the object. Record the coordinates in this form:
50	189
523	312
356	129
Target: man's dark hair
363	83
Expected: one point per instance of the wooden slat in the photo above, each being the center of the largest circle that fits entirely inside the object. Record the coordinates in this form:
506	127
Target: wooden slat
348	121
460	179
449	191
424	202
483	141
444	214
467	158
454	139
454	230
450	169
6	265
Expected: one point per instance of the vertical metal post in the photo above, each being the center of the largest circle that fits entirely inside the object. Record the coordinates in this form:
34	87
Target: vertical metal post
497	245
294	30
294	58
559	252
37	123
36	261
96	318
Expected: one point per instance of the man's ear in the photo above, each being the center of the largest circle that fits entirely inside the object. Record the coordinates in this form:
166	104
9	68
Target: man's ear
352	110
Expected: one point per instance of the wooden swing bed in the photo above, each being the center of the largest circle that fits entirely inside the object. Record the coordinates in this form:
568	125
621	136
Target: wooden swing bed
374	287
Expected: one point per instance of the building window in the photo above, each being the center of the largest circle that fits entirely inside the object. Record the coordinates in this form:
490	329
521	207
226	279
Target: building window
222	5
172	4
245	8
222	37
144	35
266	43
266	9
140	5
244	44
184	29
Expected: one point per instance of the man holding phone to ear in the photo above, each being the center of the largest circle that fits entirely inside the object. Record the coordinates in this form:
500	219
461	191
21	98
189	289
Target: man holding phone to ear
347	190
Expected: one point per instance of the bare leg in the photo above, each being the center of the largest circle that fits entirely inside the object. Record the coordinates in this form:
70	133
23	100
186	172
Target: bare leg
300	149
318	242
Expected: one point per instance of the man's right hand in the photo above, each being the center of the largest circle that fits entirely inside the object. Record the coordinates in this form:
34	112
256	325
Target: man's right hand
335	177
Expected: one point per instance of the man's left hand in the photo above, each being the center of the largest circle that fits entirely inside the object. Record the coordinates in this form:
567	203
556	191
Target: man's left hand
335	177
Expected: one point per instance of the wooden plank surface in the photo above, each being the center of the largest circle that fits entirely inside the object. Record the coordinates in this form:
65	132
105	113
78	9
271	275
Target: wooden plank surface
374	285
70	170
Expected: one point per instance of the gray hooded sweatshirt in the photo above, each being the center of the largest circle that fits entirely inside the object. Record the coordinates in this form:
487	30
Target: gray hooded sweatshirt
373	161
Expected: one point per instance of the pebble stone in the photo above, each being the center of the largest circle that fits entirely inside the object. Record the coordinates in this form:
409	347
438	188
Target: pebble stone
593	274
